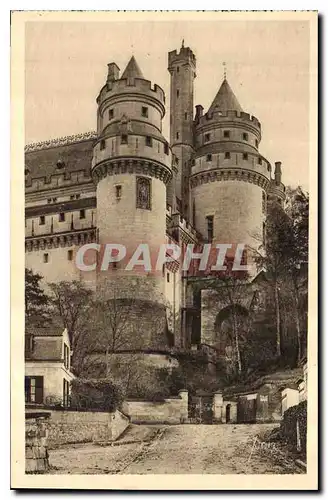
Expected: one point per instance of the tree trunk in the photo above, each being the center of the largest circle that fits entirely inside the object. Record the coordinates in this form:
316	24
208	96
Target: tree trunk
298	324
235	331
107	362
278	329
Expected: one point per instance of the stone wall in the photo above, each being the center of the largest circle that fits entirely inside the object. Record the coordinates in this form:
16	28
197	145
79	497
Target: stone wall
36	450
169	411
68	426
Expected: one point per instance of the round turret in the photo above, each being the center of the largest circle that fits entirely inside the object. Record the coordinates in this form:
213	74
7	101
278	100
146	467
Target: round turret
229	177
131	166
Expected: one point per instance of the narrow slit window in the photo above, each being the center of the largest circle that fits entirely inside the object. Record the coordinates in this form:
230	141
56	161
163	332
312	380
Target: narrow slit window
124	139
82	213
70	254
209	157
111	113
210	224
149	141
42	220
62	217
102	144
207	137
118	192
245	156
245	136
144	111
45	258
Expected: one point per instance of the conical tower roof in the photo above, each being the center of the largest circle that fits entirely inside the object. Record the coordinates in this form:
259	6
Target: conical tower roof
225	99
132	70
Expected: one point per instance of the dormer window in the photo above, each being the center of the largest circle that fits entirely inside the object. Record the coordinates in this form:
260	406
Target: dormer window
60	164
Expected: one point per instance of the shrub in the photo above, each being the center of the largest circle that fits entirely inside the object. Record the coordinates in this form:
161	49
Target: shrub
99	394
288	425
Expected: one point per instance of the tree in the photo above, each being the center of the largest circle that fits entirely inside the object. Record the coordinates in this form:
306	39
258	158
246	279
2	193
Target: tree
274	258
228	289
73	303
284	261
122	321
36	300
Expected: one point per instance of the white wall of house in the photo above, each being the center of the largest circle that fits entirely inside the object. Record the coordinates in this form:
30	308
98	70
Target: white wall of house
53	374
289	397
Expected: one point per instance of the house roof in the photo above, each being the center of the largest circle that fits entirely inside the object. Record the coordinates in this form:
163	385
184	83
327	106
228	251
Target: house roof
44	160
132	70
45	331
225	99
47	343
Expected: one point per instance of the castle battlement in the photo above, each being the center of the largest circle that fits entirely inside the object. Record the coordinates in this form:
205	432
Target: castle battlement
134	86
185	53
224	116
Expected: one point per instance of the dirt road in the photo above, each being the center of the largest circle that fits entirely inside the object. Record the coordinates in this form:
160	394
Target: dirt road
177	449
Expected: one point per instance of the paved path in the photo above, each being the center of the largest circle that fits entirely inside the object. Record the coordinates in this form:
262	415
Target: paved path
177	449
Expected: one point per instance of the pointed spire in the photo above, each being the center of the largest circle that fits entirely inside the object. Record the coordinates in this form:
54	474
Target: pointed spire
225	99
132	70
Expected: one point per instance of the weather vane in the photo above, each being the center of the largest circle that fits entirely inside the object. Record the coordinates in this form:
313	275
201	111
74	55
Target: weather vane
224	64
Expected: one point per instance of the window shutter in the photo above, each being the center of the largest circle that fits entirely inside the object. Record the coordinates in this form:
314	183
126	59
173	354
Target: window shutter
27	389
39	390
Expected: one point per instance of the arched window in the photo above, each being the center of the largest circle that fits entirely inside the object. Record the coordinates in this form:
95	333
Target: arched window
144	193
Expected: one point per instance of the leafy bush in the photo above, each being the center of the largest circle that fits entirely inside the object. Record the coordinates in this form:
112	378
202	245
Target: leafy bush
99	394
289	423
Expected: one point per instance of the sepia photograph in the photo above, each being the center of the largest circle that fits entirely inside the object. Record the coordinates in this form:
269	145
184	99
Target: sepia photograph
164	308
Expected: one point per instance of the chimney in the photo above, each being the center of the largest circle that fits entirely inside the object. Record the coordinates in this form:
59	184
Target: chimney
113	72
199	112
277	172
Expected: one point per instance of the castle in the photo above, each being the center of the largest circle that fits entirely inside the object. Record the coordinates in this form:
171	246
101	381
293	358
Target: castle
126	184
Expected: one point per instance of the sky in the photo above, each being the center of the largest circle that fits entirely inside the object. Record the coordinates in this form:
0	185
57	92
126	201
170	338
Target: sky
267	68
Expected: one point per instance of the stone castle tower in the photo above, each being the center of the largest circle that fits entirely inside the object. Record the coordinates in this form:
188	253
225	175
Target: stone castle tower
131	167
182	68
126	184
